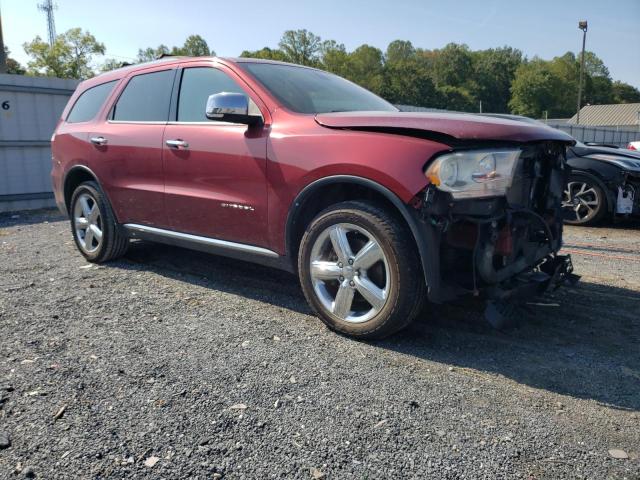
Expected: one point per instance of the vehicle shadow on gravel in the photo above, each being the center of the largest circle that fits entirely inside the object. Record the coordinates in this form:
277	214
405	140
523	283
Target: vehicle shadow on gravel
218	273
581	341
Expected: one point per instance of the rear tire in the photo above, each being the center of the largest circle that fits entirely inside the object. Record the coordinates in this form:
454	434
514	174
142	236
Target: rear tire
95	230
360	270
584	201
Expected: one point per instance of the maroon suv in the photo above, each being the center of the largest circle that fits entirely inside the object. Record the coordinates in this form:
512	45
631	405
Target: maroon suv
299	169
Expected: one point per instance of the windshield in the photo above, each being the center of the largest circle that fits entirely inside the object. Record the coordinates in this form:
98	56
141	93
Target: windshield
305	90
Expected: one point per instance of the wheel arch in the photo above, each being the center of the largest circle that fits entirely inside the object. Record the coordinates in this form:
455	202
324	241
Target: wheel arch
327	191
75	176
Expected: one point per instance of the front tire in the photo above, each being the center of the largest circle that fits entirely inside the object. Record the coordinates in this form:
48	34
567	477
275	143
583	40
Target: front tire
360	270
584	201
95	230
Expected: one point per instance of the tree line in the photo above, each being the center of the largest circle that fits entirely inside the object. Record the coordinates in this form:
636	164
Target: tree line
499	80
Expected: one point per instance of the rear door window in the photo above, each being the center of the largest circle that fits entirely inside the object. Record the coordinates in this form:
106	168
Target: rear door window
146	98
90	102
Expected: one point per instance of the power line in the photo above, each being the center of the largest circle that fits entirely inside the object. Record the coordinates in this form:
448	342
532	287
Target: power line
48	7
119	56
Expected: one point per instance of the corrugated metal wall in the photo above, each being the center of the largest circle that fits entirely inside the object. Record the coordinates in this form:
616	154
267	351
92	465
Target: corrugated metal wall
608	135
29	110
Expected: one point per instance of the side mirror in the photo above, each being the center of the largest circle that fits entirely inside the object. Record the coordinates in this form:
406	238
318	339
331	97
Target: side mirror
230	107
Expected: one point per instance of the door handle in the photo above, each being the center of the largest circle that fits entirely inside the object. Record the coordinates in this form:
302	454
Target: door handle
98	140
177	143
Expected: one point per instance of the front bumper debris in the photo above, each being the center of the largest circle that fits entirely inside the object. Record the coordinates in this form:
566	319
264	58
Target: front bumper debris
554	272
501	247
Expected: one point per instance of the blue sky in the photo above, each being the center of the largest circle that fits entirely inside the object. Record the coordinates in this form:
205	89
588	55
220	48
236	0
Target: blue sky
538	27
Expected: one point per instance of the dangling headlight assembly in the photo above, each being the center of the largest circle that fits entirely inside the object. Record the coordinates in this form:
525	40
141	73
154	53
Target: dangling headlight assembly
474	173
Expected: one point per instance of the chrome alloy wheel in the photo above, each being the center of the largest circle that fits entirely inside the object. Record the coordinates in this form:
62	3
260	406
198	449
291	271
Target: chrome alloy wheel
349	272
87	222
581	202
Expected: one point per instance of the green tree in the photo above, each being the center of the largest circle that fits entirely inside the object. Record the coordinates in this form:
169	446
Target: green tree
593	65
334	58
366	68
535	89
406	83
493	72
565	71
406	80
452	65
13	66
149	54
194	46
111	64
301	47
598	87
400	51
70	56
625	93
266	54
456	98
598	91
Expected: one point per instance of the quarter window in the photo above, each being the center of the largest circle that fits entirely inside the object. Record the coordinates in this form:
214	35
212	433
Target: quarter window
89	103
196	86
146	98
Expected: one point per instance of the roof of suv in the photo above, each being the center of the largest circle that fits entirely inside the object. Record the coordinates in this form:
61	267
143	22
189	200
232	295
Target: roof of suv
121	72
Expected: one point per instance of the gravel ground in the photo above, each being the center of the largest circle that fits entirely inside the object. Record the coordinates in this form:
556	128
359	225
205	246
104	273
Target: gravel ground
174	364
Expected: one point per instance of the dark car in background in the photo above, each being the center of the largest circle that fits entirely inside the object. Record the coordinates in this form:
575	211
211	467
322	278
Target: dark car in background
604	183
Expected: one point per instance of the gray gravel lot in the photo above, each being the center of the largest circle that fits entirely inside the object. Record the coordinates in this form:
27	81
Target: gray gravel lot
175	364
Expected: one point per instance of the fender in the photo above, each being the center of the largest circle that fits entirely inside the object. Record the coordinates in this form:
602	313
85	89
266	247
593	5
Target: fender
424	235
87	170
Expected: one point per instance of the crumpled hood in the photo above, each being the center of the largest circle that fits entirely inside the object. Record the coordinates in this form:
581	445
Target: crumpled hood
445	127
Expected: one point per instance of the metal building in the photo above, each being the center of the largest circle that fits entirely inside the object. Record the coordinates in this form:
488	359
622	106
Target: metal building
29	110
623	116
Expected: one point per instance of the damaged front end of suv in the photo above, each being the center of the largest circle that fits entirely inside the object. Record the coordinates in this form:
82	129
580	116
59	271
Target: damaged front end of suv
495	214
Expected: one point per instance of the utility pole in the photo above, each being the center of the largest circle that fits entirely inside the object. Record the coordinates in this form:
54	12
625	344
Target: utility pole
48	7
3	57
582	25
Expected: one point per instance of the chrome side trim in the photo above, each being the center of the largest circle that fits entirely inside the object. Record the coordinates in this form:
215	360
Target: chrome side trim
134	229
213	123
137	122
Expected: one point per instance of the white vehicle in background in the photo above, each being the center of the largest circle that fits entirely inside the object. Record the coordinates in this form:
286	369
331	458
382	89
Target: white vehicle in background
634	145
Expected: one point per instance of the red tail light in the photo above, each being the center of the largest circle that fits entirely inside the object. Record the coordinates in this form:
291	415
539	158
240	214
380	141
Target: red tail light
631	147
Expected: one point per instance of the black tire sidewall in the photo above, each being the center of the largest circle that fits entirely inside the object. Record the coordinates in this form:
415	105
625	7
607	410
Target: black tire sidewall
108	226
399	263
602	207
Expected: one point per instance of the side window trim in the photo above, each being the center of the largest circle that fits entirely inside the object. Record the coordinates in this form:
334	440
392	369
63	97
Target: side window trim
175	98
175	92
112	108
